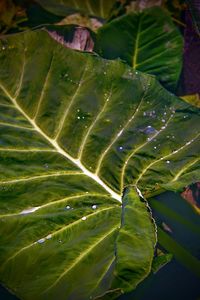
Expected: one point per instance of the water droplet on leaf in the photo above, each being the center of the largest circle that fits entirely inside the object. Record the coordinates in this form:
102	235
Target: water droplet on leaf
40	241
149	130
49	236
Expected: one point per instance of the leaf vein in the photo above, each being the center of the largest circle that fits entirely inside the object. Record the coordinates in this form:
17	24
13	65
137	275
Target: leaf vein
61	124
16	126
41	176
92	126
44	88
184	169
57	231
164	157
83	254
117	136
61	151
138	148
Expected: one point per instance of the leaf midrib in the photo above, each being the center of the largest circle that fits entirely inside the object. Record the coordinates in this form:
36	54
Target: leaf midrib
136	48
56	146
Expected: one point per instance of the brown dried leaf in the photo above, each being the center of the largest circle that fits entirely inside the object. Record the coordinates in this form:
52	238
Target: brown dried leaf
82	39
81	20
193	99
192	196
166	227
140	5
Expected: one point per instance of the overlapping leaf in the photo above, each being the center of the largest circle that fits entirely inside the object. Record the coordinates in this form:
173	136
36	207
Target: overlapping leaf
98	8
148	41
75	131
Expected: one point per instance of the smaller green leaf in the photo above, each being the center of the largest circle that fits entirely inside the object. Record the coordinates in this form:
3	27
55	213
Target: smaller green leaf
161	260
148	41
138	233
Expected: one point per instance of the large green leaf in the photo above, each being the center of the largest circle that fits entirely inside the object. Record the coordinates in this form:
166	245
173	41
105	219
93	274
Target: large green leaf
98	8
75	131
148	41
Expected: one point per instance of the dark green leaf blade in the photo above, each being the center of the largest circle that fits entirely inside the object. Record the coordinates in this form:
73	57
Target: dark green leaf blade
61	214
148	41
69	145
160	261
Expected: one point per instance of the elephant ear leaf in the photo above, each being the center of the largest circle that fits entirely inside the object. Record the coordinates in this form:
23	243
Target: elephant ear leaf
97	8
75	131
148	41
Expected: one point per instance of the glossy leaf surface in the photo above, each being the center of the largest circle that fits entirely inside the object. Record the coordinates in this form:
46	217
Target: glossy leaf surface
75	130
148	41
